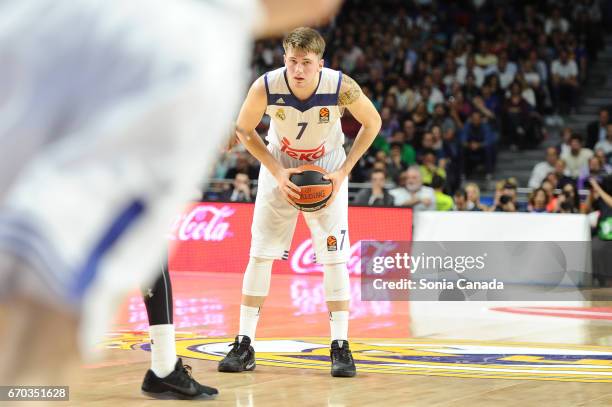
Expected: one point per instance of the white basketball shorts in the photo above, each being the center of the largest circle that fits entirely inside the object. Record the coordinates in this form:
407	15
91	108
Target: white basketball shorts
274	218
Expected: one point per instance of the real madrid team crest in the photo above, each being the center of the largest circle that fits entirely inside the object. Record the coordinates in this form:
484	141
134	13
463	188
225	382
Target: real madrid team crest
280	114
323	115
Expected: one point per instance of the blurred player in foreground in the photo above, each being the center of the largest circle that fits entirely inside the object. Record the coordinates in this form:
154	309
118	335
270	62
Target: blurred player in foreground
107	123
305	102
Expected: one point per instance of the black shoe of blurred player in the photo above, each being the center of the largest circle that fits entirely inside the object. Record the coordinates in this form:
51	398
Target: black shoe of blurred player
240	358
178	385
343	364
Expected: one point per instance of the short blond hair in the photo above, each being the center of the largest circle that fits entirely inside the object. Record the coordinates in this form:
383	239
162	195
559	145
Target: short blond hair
475	187
305	39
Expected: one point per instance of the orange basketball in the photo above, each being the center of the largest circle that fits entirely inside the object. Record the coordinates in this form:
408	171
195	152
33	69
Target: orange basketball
315	190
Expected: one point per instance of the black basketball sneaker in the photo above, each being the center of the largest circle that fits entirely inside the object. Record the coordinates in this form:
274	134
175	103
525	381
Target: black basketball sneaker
240	358
178	385
343	364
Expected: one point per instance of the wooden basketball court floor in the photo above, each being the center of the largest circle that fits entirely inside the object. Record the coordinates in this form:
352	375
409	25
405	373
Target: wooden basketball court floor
407	354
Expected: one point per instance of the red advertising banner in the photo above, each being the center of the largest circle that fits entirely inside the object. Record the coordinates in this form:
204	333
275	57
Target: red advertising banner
216	237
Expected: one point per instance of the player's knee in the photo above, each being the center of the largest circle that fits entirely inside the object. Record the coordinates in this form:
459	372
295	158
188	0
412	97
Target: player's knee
256	281
336	282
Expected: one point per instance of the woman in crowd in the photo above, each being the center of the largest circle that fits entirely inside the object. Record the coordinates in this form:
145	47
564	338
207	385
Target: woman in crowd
538	201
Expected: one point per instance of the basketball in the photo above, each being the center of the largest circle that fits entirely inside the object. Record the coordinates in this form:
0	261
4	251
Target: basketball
315	190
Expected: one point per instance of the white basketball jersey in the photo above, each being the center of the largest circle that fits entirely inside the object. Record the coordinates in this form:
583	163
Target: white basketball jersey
304	129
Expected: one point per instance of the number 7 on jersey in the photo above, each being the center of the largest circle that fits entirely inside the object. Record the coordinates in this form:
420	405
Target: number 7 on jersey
302	126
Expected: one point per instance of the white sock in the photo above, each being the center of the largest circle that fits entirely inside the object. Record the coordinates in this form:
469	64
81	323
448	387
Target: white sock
339	322
163	349
249	316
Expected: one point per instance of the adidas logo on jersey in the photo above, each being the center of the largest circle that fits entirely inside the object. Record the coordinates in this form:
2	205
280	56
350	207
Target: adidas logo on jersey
280	101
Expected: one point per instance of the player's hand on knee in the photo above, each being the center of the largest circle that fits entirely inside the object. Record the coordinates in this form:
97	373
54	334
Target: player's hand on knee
337	178
288	188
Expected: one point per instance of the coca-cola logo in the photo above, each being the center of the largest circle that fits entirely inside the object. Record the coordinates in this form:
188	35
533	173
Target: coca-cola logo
203	222
303	259
188	312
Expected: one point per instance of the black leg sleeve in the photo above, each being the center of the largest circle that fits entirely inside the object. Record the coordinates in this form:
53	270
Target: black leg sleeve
158	298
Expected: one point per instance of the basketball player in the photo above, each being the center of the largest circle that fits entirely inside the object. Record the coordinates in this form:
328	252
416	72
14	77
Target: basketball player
304	101
106	125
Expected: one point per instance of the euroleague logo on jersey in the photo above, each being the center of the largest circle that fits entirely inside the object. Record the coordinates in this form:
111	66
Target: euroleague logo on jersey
323	115
332	243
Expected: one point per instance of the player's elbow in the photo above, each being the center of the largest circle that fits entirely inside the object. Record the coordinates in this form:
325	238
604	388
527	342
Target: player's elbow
375	122
244	134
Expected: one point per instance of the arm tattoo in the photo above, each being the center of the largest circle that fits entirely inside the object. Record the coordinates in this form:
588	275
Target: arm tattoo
351	94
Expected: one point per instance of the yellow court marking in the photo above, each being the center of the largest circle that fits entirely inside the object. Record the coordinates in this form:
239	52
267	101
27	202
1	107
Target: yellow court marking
449	358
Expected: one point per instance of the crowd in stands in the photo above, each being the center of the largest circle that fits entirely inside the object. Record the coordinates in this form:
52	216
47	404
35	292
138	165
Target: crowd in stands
455	81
